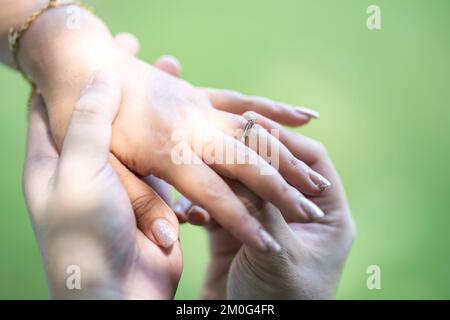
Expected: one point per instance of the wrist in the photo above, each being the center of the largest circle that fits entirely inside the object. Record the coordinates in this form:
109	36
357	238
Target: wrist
54	44
60	58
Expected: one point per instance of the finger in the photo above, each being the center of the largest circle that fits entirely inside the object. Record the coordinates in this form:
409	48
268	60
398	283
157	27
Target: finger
188	212
238	103
153	216
231	158
128	42
169	64
41	156
198	216
87	143
161	187
315	155
295	171
266	213
181	208
304	148
203	186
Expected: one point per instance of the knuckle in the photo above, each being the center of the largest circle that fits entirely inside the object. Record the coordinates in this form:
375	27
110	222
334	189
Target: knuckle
144	204
240	223
282	108
247	102
236	126
245	163
346	229
233	96
257	101
296	164
216	190
293	161
184	110
239	121
164	142
253	204
275	193
92	106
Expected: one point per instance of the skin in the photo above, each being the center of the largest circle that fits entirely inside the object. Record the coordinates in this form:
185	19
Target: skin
310	264
308	267
81	213
61	76
116	259
153	107
313	255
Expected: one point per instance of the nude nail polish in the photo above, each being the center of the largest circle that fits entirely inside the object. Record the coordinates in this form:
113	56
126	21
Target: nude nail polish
319	180
89	84
308	112
311	209
271	244
164	232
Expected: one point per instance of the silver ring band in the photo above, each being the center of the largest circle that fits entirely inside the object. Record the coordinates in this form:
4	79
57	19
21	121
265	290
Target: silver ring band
251	121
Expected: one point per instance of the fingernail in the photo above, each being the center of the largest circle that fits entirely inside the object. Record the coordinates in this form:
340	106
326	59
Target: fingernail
172	60
89	83
270	243
311	209
308	112
198	216
319	180
107	77
164	232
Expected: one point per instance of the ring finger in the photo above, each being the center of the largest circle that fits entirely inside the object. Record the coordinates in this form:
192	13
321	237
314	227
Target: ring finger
295	171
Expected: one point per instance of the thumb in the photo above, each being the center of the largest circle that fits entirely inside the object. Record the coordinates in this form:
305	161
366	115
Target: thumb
87	143
41	157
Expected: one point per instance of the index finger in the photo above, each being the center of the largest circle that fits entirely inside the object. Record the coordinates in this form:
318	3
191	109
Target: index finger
235	102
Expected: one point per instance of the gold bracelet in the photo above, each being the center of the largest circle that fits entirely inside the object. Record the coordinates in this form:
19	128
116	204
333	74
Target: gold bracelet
14	36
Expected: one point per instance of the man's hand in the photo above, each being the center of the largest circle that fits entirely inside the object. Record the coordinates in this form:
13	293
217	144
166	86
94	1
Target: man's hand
81	213
313	254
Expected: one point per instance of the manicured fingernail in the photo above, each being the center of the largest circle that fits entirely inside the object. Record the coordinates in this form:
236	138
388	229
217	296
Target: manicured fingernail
311	209
319	180
270	243
89	83
164	232
308	112
106	77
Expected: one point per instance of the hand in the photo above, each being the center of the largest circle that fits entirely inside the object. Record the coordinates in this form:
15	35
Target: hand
81	213
309	265
154	107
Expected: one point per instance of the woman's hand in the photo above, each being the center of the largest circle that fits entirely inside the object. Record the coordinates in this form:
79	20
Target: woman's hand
81	213
155	107
313	254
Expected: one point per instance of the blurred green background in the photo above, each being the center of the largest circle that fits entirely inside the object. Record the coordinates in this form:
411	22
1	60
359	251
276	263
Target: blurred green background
384	97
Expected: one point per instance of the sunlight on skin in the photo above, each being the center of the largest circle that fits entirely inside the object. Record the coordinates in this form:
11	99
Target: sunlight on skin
87	253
